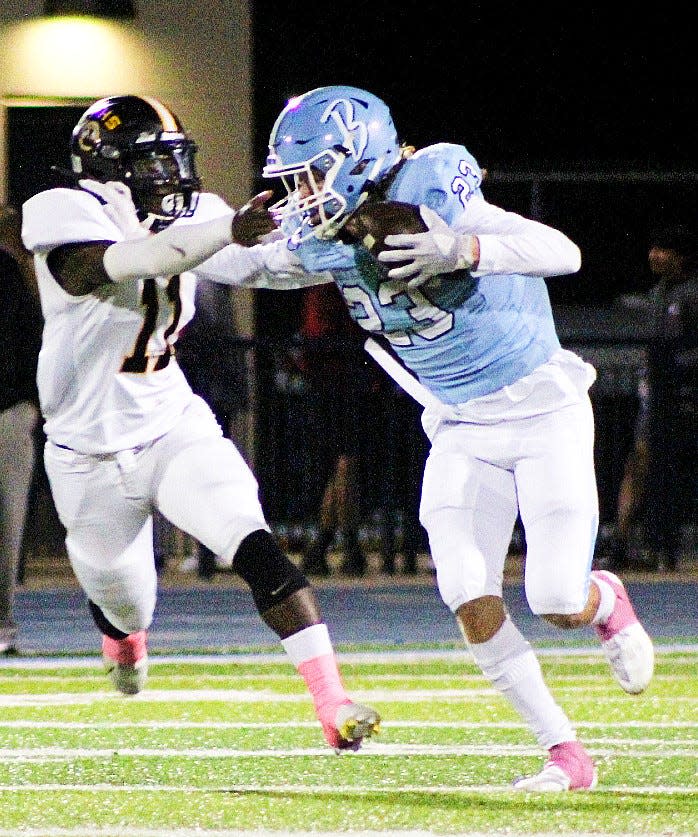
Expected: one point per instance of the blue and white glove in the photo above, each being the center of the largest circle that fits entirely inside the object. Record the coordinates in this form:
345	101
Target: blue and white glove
117	204
423	255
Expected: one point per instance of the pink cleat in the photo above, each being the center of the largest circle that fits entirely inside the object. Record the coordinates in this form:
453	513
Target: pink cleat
349	723
568	768
624	641
344	723
126	661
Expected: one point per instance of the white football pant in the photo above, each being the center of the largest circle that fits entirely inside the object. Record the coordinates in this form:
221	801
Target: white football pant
194	476
477	475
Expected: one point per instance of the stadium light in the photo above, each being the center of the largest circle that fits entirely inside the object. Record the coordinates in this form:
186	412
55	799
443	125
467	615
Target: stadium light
96	8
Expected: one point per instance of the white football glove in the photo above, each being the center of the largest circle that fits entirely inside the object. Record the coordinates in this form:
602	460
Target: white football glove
439	250
117	204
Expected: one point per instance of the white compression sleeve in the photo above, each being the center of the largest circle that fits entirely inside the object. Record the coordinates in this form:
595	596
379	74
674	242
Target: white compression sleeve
169	252
510	243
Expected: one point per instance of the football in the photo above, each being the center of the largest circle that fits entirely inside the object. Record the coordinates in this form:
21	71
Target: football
370	223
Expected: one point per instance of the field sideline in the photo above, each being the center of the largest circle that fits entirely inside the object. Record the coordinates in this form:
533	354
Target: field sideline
223	745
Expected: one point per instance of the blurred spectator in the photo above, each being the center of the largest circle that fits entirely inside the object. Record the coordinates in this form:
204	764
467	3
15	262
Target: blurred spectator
659	484
213	356
20	339
213	359
338	378
403	449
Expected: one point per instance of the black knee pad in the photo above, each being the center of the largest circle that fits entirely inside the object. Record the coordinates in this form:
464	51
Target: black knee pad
271	576
103	623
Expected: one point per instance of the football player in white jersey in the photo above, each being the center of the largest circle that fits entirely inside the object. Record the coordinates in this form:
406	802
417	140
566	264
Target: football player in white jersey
465	307
125	433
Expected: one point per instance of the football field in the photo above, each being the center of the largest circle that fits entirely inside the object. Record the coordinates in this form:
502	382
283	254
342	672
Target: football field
228	744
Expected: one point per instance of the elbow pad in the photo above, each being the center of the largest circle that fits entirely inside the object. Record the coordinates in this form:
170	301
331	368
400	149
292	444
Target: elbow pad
168	253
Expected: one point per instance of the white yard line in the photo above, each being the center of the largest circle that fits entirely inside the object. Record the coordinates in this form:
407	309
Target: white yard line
513	725
308	790
97	676
201	832
268	696
593	653
370	749
233	696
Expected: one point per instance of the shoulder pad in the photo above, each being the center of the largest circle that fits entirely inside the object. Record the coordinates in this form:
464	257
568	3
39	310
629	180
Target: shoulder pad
64	216
444	177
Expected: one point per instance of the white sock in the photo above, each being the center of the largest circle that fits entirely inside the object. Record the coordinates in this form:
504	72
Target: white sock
509	663
308	643
607	602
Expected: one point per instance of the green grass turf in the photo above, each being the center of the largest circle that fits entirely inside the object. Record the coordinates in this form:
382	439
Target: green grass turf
234	746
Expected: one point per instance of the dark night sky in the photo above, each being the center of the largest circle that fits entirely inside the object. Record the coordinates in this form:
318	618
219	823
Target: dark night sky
522	88
518	88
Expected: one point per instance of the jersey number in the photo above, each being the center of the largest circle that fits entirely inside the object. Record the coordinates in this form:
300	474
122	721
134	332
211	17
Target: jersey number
430	321
139	360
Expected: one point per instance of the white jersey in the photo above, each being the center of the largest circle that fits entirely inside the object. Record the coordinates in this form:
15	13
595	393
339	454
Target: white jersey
107	376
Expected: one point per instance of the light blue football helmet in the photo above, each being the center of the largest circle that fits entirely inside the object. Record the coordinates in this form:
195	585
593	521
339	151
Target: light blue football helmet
328	146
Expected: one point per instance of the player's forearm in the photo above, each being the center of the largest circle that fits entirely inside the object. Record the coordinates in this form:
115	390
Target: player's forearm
270	265
511	243
548	254
168	253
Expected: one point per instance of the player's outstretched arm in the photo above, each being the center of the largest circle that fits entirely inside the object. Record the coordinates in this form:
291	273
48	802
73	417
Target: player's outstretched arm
81	267
268	265
180	248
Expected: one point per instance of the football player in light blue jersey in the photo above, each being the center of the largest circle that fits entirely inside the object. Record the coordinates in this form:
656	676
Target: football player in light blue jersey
464	305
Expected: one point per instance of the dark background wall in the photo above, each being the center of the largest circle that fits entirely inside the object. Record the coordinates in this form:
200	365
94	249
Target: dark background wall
520	87
575	90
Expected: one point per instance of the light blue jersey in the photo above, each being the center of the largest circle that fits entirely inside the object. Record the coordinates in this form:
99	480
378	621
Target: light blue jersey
462	336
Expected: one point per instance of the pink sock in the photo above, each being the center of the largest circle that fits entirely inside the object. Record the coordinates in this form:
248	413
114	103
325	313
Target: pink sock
126	651
324	683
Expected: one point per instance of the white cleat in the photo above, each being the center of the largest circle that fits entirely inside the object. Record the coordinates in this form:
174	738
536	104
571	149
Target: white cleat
630	654
128	679
625	643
